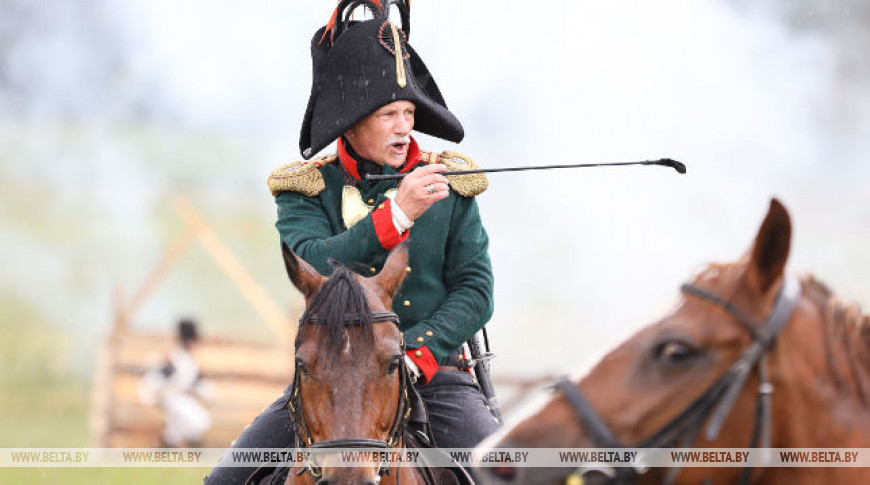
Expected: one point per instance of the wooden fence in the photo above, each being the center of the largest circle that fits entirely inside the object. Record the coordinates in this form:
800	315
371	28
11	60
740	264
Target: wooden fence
245	376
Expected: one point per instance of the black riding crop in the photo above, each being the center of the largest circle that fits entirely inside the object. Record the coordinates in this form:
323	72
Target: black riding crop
664	162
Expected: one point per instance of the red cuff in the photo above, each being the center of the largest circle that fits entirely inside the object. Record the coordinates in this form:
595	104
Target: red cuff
388	235
425	361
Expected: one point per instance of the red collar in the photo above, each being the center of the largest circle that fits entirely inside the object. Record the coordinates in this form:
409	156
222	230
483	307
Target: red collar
349	162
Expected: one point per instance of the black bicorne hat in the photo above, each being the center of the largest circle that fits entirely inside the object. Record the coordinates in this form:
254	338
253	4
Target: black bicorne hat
187	330
355	72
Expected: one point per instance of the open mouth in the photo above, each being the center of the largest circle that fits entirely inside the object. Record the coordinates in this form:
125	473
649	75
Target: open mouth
399	147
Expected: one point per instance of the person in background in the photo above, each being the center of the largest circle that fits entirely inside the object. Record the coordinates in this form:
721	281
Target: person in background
179	389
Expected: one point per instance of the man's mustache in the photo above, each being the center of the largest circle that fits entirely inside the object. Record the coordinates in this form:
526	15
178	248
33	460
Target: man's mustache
399	139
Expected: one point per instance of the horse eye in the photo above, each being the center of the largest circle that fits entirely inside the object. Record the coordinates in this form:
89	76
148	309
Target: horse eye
674	352
301	370
394	364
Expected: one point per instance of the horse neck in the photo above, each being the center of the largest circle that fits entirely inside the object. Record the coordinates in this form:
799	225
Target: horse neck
821	366
846	340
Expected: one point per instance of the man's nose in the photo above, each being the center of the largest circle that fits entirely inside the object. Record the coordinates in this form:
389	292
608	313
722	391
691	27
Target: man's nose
404	125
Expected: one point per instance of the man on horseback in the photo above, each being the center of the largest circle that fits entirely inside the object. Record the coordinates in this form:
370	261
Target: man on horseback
370	90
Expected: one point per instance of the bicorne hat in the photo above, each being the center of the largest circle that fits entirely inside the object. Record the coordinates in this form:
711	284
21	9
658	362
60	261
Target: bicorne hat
187	330
360	66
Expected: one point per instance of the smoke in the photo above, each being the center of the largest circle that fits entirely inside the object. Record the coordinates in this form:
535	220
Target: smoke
107	108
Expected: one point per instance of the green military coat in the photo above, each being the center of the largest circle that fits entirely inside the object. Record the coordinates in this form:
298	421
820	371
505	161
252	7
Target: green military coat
447	294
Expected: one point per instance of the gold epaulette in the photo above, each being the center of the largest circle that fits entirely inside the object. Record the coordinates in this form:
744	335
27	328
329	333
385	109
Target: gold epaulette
303	177
465	185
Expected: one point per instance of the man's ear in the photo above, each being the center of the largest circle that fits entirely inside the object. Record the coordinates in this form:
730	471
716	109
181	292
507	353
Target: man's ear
771	249
304	277
393	273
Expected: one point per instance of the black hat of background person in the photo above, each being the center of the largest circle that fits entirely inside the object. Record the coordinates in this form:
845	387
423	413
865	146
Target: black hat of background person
355	72
187	330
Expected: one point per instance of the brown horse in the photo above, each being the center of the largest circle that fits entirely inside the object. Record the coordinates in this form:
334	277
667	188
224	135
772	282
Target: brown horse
750	358
352	388
351	384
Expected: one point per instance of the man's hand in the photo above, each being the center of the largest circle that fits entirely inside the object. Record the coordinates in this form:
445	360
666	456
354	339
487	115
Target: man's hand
422	188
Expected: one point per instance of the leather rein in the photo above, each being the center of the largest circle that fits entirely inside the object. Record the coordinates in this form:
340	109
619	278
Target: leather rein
403	412
717	400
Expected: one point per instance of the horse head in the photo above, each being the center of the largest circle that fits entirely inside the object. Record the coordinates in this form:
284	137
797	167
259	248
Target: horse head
350	384
743	361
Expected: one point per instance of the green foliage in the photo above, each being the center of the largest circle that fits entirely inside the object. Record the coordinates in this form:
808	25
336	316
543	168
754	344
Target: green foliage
41	403
31	352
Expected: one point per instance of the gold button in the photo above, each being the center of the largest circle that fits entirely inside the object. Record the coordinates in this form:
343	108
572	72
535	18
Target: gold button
373	270
406	303
418	353
408	269
420	339
429	333
381	206
371	201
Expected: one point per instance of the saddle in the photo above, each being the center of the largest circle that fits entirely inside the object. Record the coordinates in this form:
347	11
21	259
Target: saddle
417	435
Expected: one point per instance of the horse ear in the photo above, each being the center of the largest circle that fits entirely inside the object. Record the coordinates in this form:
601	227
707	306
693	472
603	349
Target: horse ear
304	277
394	270
770	252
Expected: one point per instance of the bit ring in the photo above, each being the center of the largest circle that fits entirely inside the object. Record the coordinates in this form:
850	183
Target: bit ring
430	189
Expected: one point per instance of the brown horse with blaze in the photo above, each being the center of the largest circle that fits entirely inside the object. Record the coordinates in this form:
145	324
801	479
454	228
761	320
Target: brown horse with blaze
351	385
750	358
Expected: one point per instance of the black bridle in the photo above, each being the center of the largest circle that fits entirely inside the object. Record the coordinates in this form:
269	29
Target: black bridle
717	399
403	412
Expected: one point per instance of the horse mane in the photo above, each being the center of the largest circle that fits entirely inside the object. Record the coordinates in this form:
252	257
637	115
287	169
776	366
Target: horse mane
340	297
848	326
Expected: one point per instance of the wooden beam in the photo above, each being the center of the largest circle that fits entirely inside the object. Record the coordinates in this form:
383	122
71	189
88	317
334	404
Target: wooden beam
99	418
277	321
119	312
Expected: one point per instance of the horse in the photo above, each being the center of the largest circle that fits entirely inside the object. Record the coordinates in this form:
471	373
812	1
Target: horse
749	358
351	386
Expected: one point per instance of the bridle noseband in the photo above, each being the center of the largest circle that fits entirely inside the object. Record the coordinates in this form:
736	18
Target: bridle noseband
403	412
717	400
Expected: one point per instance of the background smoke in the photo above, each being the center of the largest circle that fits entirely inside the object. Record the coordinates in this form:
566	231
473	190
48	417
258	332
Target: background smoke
109	108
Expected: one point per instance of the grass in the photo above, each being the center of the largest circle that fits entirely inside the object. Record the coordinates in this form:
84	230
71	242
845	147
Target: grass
100	476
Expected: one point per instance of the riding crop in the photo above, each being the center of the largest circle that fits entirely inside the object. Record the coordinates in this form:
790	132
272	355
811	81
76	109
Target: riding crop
664	162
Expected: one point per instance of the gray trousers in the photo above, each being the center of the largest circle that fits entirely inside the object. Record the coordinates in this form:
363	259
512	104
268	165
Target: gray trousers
458	415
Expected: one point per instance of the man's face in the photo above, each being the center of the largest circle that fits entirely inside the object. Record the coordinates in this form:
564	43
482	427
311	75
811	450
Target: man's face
385	135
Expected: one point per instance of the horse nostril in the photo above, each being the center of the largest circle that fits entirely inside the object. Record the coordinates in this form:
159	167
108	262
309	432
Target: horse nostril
506	473
593	477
